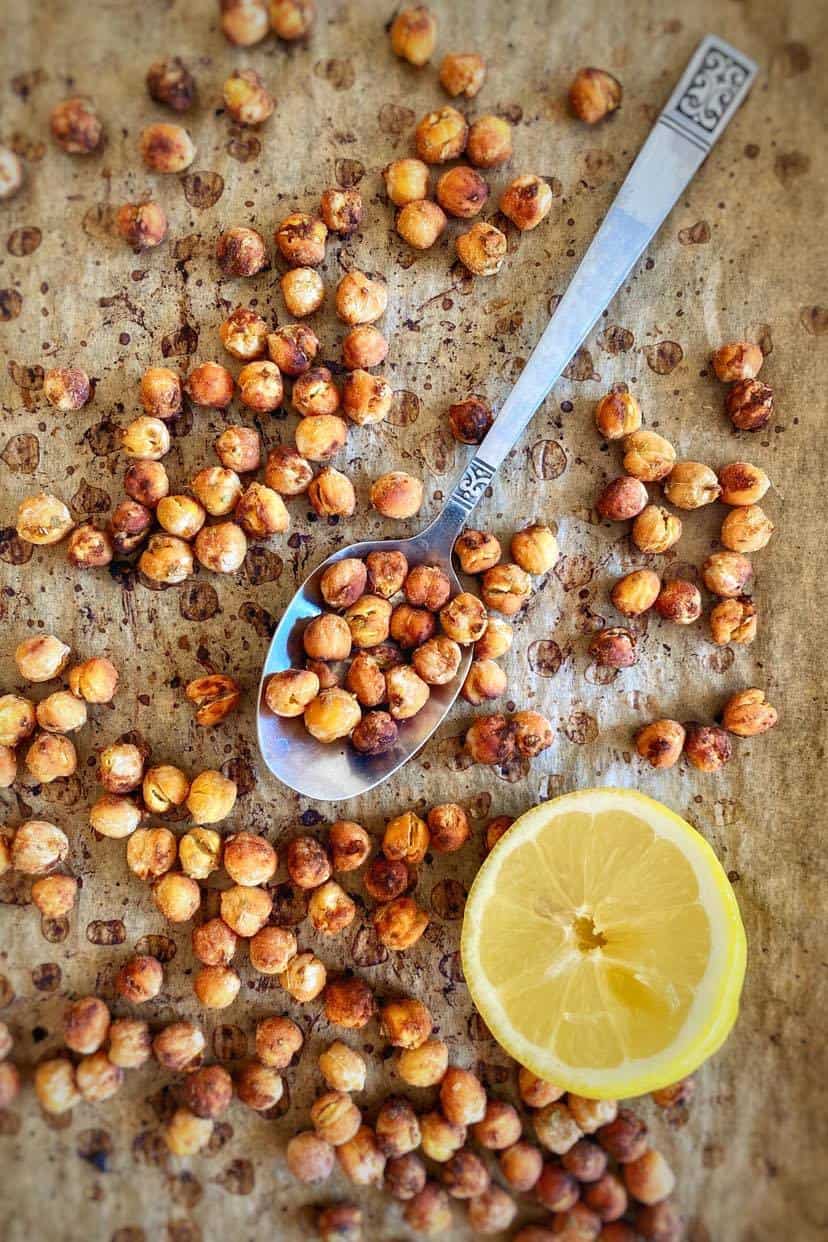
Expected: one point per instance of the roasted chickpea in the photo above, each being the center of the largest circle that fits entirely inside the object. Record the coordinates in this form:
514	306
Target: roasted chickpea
76	126
245	910
526	201
490	740
421	223
150	853
647	456
427	586
366	680
726	573
748	713
706	747
361	1159
376	733
537	1092
591	1114
406	838
301	240
140	979
309	1158
617	415
211	797
120	767
749	405
11	173
315	393
462	1097
260	386
51	757
160	392
130	1044
406	181
113	816
414	35
349	1001
411	627
293	348
210	385
341	1222
400	923
17	717
429	1211
177	896
437	660
221	548
180	516
679	601
489	142
441	135
614	647
241	252
56	1086
690	485
199	852
738	360
636	592
485	680
278	1040
327	637
742	483
89	548
594	94
407	693
733	621
623	498
500	1128
521	1165
386	880
43	519
462	73
477	551
166	148
261	512
397	1128
179	1046
146	482
746	529
655	529
85	1024
469	422
289	693
342	1067
322	437
335	1117
249	859
387	572
441	1138
366	398
8	767
361	299
364	346
164	788
397	495
308	863
343	583
330	909
146	438
482	250
425	1064
368	620
464	1175
38	847
557	1190
214	943
556	1128
271	949
341	210
292	19
95	680
185	1134
97	1078
66	388
535	549
170	82
208	1091
61	712
349	844
55	895
506	588
247	99
464	618
214	697
660	743
586	1161
302	290
649	1179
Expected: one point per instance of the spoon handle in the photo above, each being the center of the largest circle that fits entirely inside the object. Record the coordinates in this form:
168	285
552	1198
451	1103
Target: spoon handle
710	90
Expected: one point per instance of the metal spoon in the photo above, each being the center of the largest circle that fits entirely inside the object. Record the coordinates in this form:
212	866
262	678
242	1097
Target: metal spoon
711	89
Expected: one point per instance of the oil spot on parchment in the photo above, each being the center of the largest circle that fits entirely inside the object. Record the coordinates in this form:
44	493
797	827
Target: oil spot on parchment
664	356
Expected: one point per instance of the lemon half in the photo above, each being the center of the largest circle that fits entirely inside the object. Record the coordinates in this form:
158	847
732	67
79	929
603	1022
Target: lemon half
602	944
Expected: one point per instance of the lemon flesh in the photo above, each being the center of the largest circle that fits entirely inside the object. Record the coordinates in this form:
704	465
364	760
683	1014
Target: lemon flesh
602	944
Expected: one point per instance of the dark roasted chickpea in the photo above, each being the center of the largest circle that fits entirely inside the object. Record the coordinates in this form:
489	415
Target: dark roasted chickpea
170	82
489	142
397	495
11	173
677	1094
246	911
341	210
500	1126
246	97
746	528
532	733
660	743
241	252
85	1024
749	405
332	494
485	680
287	472
56	1086
180	516
302	290
521	1165
738	360
66	388
706	747
462	73
748	713
349	1002
55	895
293	348
214	943
462	1097
349	845
113	816
537	1092
160	392
617	415
316	393
366	680
278	1040
208	1091
51	757
464	1175
309	1158
421	223
307	862
622	499
335	1117
462	192
258	1086
292	19
166	148
585	1160
387	572
469	422
656	529
43	519
690	485
413	35
437	660
407	693
366	398
76	126
535	549
322	437
427	586
344	582
429	1211
406	181
218	489
179	1046
606	1197
397	1128
330	909
506	588
733	621
482	250
361	299
594	94
140	979
464	618
376	733
679	601
89	548
490	740
657	1222
526	201
613	647
496	829
405	1176
386	879
647	456
38	847
150	853
400	923
221	548
441	136
341	1222
199	852
147	482
261	512
211	385
130	1044
301	240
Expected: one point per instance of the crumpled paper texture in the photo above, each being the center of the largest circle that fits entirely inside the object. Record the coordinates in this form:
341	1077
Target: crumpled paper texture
741	255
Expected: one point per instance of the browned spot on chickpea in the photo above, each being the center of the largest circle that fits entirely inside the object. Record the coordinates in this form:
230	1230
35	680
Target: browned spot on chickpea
287	472
399	924
349	1001
76	126
341	210
526	201
462	73
386	572
166	148
247	98
707	747
293	348
594	94
482	250
170	82
241	252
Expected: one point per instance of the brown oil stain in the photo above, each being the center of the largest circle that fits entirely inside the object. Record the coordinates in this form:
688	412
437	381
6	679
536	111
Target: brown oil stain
615	339
548	459
202	188
24	241
22	453
697	234
663	357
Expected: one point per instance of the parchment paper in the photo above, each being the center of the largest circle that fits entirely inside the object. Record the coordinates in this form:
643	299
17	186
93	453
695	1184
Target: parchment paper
742	255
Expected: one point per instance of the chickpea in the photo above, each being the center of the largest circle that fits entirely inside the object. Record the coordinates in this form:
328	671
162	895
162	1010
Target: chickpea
477	551
177	896
289	693
556	1128
185	1134
387	572
636	592
330	909
164	788
621	499
429	1211
179	1047
287	472
659	1221
521	1166
129	1043
606	1197
170	82
214	943
61	712
43	519
368	620
241	252
301	239
421	223
733	621
51	757
349	1002
76	126
363	347
166	148
366	398
343	582
706	747
261	512
485	680
17	717
679	601
260	387
594	94
146	438
464	618
271	949
56	1086
302	290
624	1138
462	1097
140	979
361	299
500	1126
146	482
489	142
208	1091
535	549
315	393
55	895
349	844
586	1161
245	910
120	767
150	853
749	405
361	1159
11	173
180	516
469	422
436	662
89	548
210	385
748	713
322	437
655	529
405	1176
341	210
113	816
462	73
441	136
95	680
406	181
333	714
199	852
397	495
440	1137
309	1158
366	680
649	1178
746	529
211	797
411	627
399	923
660	743
726	573
742	484
216	987
335	1117
160	393
691	485
481	250
221	548
406	837
526	201
618	415
85	1024
249	859
464	1175
490	740
614	647
342	1067
506	588
38	847
647	456
385	880
738	360
248	100
307	862
327	637
414	35
676	1094
375	734
407	693
449	827
537	1092
66	388
244	333
292	19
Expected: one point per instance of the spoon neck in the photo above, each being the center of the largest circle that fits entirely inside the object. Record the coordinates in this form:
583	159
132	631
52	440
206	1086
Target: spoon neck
468	490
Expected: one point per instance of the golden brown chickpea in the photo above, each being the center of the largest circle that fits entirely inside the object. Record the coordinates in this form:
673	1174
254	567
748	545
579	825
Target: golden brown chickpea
429	1211
43	519
260	387
489	142
397	495
414	35
361	299
342	1067
38	847
462	192
146	438
349	1002
292	19
51	757
406	181
185	1134
526	201
288	693
464	1175
322	437
140	979
376	733
462	1097
239	448
749	405
287	472
636	592
738	360
679	601
248	100
462	73
386	572
147	482
271	949
427	586
241	252
400	923
302	290
61	712
406	1023
464	618
647	456
301	240
385	881
733	621
411	627
397	1128
441	136
341	1222
216	987
130	1044
66	388
469	421
556	1128
56	1086
261	512
406	838
170	82
120	767
482	250
180	516
199	852
160	392
327	637
558	1191
440	1137
85	1024
349	844
366	680
76	126
177	896
364	346
208	1091
536	1092
293	348
449	827
594	94
477	551
649	1179
425	1064
245	910
95	680
89	548
55	895
11	173
691	485
166	148
344	582
421	223
496	641
706	747
164	788
742	483
335	1117
150	853
308	863
97	1078
17	717
258	1086
221	548
407	693
366	398
309	1158
748	713
211	797
521	1166
211	385
485	680
361	1159
332	715
655	529
214	943
112	816
368	620
8	767
623	498
179	1046
249	859
437	660
215	697
746	529
726	573
341	210
506	588
315	393
617	415
591	1114
129	526
330	909
535	549
490	740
